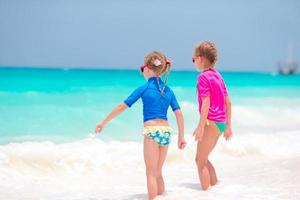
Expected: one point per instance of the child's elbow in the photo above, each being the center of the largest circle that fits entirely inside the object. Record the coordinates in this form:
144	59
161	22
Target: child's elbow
122	107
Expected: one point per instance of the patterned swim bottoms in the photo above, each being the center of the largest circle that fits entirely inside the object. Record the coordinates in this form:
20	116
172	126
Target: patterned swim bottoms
160	134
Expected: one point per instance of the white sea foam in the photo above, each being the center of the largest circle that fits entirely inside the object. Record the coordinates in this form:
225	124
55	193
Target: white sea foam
252	166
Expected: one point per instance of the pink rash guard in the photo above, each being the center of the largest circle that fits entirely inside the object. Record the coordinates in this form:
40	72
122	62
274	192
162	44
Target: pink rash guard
211	83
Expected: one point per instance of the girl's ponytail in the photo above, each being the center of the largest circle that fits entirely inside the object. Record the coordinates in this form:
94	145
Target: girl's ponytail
160	64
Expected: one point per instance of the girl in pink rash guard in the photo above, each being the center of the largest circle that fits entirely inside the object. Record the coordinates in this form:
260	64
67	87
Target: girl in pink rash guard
214	109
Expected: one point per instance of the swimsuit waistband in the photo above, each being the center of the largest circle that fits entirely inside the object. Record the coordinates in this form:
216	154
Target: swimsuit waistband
154	129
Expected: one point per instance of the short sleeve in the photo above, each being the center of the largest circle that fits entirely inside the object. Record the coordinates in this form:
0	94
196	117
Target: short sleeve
174	104
134	96
203	86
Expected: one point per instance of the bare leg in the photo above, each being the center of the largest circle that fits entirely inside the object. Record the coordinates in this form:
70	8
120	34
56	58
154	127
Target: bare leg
160	181
212	173
151	157
204	147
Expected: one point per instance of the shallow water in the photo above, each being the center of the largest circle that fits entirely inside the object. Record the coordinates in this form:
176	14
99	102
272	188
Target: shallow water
48	150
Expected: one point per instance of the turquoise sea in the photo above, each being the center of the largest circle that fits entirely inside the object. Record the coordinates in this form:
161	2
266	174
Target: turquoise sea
48	149
64	104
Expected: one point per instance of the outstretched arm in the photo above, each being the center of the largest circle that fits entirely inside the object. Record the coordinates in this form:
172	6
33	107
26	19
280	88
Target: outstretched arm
114	113
228	131
180	124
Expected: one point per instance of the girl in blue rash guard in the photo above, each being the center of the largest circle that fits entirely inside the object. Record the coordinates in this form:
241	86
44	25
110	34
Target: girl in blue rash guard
156	97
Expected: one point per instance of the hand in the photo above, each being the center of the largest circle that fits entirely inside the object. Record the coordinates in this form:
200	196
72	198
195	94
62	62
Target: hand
181	143
198	133
228	133
99	127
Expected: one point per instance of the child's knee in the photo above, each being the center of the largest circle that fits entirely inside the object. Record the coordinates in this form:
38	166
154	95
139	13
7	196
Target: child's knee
151	172
200	162
159	175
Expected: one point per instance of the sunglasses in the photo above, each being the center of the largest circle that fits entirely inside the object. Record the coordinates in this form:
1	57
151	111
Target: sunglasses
142	68
194	59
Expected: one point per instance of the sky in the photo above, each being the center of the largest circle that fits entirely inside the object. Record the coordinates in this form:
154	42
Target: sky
250	35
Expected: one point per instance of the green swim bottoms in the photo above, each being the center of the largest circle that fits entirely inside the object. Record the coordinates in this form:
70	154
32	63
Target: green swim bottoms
221	126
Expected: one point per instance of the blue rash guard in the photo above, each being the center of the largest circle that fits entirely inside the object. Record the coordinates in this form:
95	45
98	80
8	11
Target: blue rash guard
155	105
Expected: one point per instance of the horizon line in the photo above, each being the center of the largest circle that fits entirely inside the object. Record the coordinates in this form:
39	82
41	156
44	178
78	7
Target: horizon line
114	68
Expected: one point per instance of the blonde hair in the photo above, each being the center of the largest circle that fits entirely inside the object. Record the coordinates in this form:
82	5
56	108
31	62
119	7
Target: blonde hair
159	64
208	50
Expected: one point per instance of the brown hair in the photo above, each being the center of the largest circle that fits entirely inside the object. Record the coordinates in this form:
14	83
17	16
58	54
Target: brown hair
159	64
208	50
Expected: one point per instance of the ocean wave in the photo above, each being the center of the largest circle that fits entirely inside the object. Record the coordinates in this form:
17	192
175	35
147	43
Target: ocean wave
92	153
266	119
94	169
